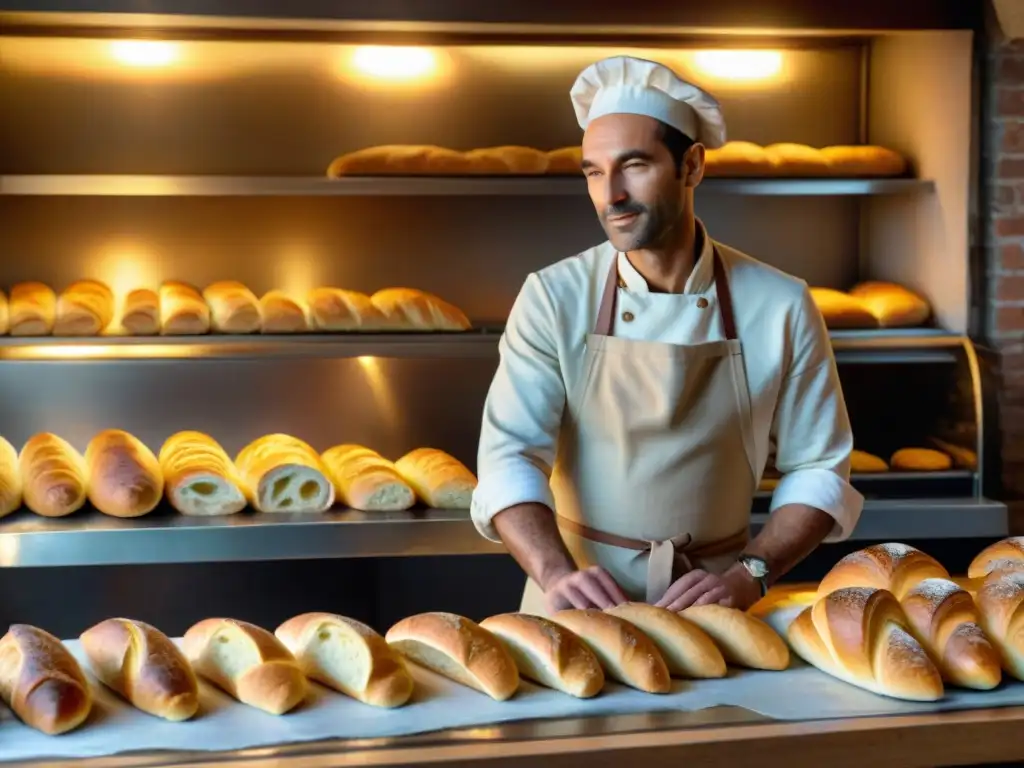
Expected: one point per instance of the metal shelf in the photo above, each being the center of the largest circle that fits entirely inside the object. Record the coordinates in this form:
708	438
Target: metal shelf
307	186
91	538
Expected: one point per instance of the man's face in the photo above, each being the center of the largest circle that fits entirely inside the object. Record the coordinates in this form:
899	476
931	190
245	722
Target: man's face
633	180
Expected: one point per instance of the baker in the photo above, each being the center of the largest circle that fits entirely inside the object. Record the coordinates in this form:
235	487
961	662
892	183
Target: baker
642	382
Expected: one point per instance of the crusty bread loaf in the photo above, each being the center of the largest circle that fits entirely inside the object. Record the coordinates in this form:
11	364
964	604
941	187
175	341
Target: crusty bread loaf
144	666
85	308
233	307
962	457
280	473
141	313
199	477
459	649
1007	553
920	460
864	161
1000	598
687	649
548	653
565	161
183	312
283	314
124	476
246	662
348	656
41	681
945	621
54	475
892	305
440	480
5	317
626	653
509	159
737	159
894	567
400	160
744	640
33	309
363	479
334	309
412	310
862	462
841	310
860	635
11	484
797	160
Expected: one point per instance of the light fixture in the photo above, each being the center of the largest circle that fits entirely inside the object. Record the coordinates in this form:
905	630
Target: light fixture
394	63
144	53
739	65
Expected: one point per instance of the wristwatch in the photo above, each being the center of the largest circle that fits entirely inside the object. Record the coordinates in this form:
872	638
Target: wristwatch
757	567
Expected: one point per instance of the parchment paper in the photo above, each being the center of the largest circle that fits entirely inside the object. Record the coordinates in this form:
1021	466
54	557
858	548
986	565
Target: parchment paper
799	693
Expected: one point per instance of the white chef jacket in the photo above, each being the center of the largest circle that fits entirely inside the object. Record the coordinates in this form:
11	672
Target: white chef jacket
796	399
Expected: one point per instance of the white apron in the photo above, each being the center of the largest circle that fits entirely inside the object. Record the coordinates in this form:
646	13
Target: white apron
655	471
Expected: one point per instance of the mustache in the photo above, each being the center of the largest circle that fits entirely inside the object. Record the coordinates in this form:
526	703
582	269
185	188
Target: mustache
624	209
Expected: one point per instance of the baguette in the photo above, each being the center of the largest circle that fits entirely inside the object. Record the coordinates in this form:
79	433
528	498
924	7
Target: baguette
892	305
124	476
199	478
233	307
687	649
548	654
84	308
459	649
861	636
627	654
565	161
144	666
862	462
283	314
841	310
11	484
510	159
413	310
400	160
363	479
54	476
744	640
183	312
894	567
920	460
1008	553
42	682
737	159
349	657
999	604
280	473
247	662
141	313
864	161
5	317
797	160
332	309
32	310
440	480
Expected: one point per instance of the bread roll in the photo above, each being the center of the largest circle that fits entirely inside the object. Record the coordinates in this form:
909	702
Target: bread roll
141	313
841	310
400	160
332	309
744	640
1008	553
32	309
54	476
5	318
412	310
626	653
144	666
363	479
920	460
247	662
233	307
964	458
124	476
548	654
894	567
687	649
892	305
440	481
85	308
861	636
283	314
459	649
566	161
737	159
41	681
999	605
11	485
862	462
348	656
183	312
797	160
864	161
280	473
514	160
199	477
945	621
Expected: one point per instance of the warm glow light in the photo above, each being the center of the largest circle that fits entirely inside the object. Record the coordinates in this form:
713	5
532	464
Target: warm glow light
144	53
739	65
394	63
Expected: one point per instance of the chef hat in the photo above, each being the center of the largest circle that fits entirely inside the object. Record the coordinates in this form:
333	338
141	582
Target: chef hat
625	85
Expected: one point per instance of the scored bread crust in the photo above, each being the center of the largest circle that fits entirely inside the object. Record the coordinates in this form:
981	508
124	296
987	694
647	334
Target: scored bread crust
365	480
199	477
687	649
744	640
54	474
439	479
281	473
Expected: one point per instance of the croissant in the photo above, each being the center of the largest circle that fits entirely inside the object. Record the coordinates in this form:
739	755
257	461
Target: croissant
1008	553
999	603
893	567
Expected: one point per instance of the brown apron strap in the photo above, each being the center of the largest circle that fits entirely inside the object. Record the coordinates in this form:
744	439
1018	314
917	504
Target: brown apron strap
724	297
606	310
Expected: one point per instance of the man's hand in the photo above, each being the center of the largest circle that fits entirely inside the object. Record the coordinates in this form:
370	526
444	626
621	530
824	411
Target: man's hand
590	588
735	588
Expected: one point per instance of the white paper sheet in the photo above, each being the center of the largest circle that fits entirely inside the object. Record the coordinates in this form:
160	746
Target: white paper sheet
799	693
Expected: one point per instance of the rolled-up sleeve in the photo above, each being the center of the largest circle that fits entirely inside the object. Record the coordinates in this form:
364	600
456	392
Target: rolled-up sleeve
811	428
522	413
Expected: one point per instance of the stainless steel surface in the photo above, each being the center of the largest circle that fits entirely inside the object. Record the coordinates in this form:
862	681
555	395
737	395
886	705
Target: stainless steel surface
284	186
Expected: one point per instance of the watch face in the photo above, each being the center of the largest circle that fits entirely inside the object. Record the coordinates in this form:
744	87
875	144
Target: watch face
758	568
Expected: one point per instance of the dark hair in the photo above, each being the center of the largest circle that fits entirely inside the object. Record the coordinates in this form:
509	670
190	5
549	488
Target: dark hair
676	142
